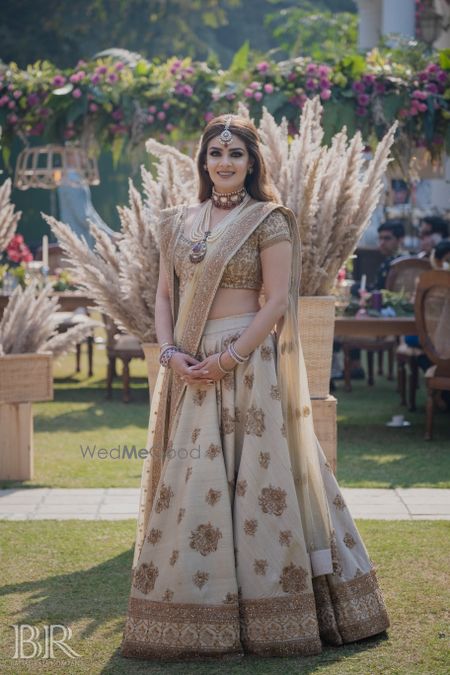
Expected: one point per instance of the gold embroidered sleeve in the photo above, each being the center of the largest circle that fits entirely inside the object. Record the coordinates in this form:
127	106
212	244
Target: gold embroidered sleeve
273	229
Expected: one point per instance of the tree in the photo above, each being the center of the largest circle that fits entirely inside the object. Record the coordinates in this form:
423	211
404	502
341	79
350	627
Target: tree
316	29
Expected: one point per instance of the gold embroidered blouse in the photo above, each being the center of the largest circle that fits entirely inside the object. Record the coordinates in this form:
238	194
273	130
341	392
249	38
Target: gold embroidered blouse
244	269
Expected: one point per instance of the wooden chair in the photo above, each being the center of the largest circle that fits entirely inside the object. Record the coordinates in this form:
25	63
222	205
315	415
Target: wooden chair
403	276
120	345
432	308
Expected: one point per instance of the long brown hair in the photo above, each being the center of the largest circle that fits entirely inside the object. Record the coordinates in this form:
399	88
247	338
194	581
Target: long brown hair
256	183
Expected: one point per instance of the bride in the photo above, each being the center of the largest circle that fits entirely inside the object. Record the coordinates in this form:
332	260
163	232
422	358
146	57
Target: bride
244	542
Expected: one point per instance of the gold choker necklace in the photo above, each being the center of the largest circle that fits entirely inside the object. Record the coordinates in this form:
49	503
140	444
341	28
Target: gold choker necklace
226	200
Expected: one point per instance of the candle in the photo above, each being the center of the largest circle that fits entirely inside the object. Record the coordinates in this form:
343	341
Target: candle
363	282
45	251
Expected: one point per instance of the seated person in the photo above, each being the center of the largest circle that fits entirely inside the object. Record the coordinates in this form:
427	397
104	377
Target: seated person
432	230
440	256
390	243
391	234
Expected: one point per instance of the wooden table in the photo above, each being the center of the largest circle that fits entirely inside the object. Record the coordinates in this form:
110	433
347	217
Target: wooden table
374	326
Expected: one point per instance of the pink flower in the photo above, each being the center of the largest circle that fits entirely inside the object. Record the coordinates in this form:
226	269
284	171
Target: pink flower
368	80
166	105
255	85
311	69
262	67
422	95
187	90
12	118
77	93
113	77
93	107
69	133
11	105
442	77
95	79
38	129
80	63
431	68
292	76
380	88
58	81
258	95
4	100
422	107
189	70
325	94
119	65
268	88
32	99
152	109
248	93
363	100
161	115
362	112
17	94
150	119
358	86
324	71
208	116
230	96
325	83
101	70
433	88
310	84
117	115
169	127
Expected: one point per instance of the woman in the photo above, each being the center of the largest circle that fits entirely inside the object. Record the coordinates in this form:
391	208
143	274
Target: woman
244	543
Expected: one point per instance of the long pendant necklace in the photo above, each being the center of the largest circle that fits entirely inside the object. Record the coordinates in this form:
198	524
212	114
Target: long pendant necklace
201	235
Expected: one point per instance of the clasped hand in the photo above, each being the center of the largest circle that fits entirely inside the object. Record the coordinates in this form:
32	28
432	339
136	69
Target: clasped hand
193	371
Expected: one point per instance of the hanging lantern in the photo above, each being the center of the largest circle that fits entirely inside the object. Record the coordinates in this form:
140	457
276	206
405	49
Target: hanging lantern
49	166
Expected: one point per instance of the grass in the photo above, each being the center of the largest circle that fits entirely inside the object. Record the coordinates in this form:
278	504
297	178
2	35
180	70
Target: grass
78	574
369	453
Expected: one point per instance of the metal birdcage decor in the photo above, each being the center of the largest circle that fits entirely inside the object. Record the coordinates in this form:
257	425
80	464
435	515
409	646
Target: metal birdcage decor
49	166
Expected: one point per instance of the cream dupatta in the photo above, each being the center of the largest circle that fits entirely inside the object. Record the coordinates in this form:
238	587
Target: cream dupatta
189	321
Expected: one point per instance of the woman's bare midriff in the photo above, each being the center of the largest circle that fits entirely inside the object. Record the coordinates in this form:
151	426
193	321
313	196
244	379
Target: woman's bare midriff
231	301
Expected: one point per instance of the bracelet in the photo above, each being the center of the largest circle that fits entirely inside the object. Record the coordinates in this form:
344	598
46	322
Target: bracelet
235	356
236	353
166	355
220	365
166	344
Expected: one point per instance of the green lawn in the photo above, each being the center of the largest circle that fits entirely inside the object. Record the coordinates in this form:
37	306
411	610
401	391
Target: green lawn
78	574
369	453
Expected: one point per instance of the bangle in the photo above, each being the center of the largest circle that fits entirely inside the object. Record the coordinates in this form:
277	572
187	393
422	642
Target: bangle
234	354
220	365
166	355
166	344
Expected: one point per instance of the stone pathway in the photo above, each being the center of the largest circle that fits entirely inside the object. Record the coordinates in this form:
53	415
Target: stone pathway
122	503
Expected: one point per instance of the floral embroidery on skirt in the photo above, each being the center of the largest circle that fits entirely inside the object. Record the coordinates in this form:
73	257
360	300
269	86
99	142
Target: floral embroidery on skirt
224	567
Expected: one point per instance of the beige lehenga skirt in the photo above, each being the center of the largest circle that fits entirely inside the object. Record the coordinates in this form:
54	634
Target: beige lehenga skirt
224	568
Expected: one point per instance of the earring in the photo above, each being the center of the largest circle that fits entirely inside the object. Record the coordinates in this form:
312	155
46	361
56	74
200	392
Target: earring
250	170
204	166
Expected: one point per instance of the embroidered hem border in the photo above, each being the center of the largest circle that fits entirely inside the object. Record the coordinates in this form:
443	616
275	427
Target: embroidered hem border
351	610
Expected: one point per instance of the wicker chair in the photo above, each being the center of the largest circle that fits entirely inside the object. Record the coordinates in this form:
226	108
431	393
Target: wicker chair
403	275
432	307
121	346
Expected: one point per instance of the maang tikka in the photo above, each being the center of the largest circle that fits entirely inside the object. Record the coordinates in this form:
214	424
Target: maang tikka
226	136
